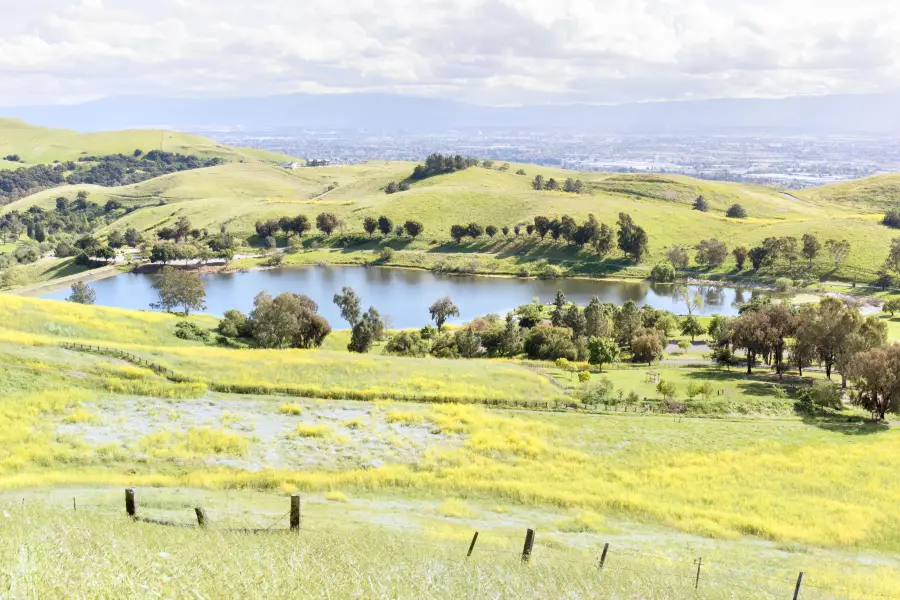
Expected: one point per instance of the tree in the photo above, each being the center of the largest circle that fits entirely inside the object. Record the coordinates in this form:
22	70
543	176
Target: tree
39	234
286	321
876	376
701	204
327	223
370	224
736	211
692	327
892	218
678	256
666	389
603	351
407	343
538	183
891	306
163	253
557	317
183	228
300	225
663	273
550	343
234	324
541	225
603	240
491	231
520	172
441	310
413	228
750	332
391	188
511	339
595	318
839	251
759	256
179	288
82	293
366	331
385	225
598	392
505	230
350	305
711	252
552	185
646	346
474	230
632	239
112	205
892	262
264	229
458	232
574	320
115	239
627	322
740	256
811	247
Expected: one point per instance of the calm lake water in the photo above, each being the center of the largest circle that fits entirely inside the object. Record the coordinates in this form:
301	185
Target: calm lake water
404	295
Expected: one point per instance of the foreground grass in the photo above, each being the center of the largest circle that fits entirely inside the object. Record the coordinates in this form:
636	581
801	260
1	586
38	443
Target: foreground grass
100	554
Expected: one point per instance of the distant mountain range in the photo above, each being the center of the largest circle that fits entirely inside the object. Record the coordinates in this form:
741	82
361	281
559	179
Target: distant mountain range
809	115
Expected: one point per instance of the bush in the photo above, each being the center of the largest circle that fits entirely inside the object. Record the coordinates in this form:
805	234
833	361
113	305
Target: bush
188	330
550	343
736	211
597	392
407	343
386	254
783	284
663	273
892	218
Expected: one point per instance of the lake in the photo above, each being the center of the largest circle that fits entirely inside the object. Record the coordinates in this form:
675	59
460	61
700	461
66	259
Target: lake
403	295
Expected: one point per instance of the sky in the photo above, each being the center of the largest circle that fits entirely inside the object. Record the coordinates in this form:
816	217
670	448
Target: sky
493	52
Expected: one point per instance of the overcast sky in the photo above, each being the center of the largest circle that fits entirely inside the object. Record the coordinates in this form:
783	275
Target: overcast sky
502	52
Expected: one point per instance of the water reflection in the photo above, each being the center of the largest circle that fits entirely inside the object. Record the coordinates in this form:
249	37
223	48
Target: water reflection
404	295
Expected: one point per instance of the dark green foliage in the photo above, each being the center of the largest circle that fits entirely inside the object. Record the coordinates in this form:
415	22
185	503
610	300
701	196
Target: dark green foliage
108	171
188	330
701	204
740	256
490	230
115	239
267	228
327	223
350	304
366	331
711	253
550	343
413	228
441	310
647	345
632	239
385	225
286	321
407	343
437	164
82	293
370	225
663	273
176	287
892	218
234	324
736	211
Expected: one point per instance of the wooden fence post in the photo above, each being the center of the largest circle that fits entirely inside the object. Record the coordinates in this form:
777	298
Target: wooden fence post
797	589
74	506
130	503
201	517
529	545
697	581
472	545
603	556
295	512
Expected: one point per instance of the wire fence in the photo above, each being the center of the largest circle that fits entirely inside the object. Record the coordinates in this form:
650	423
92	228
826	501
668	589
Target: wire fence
697	573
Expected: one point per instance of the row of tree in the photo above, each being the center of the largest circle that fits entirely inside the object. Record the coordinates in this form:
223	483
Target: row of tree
570	185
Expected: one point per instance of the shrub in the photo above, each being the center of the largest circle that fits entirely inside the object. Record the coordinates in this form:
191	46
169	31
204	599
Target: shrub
597	392
550	343
290	409
783	284
663	273
892	218
736	211
386	254
584	376
407	343
188	330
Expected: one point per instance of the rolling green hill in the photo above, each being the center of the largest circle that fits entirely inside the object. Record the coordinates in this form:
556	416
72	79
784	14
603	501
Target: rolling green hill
251	187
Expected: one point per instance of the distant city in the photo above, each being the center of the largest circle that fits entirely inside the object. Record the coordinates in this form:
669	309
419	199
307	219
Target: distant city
787	162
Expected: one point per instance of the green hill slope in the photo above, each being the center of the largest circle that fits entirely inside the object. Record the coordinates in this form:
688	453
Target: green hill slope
877	193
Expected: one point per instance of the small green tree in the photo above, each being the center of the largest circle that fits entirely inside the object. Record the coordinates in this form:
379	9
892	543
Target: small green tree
598	391
666	389
683	345
736	211
603	351
82	293
441	310
350	305
892	306
691	326
584	376
179	288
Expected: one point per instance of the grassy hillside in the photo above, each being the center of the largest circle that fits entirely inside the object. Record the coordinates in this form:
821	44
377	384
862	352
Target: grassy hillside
43	145
877	193
250	188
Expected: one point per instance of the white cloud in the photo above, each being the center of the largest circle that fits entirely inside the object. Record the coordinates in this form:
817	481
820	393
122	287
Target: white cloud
490	51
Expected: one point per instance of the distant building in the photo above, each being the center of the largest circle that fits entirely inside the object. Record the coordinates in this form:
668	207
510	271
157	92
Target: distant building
320	162
290	165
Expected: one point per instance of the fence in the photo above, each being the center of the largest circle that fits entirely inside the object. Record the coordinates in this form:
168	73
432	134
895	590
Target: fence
689	570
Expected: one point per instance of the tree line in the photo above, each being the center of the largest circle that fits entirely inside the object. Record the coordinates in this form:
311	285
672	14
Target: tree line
570	185
108	170
631	239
